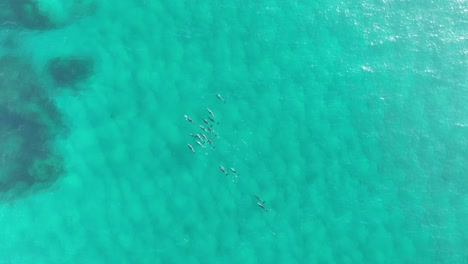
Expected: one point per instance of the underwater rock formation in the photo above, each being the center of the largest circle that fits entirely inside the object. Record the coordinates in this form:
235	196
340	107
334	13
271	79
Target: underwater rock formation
70	70
44	14
29	14
30	122
6	16
26	158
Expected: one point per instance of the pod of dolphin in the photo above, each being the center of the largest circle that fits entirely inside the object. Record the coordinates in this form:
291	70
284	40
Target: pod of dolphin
204	141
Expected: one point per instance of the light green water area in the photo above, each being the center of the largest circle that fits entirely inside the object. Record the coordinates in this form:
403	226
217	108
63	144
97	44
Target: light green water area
347	119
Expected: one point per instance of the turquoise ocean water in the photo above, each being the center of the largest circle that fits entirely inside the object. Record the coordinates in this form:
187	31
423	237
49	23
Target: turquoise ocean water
348	118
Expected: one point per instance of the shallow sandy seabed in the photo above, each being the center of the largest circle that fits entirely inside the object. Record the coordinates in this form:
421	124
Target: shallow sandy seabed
348	177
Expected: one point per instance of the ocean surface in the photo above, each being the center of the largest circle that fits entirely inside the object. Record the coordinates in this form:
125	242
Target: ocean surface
347	119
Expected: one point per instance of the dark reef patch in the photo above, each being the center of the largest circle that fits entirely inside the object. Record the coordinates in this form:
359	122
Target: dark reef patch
29	125
6	16
29	15
70	70
41	15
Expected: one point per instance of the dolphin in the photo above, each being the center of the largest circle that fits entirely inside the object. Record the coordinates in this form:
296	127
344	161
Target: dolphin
200	144
212	120
222	169
191	148
259	199
220	98
211	112
262	206
189	119
211	143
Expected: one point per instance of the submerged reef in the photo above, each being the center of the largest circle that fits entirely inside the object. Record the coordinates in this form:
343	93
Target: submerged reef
6	15
30	123
44	14
29	120
29	14
70	70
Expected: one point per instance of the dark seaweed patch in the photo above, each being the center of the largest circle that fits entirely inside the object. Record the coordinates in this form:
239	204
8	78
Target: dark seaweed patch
29	15
29	125
70	70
